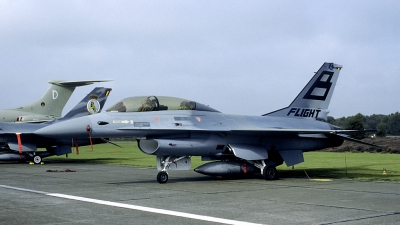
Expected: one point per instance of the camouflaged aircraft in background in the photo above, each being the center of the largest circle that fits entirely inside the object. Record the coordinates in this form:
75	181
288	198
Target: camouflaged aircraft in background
175	129
18	143
49	106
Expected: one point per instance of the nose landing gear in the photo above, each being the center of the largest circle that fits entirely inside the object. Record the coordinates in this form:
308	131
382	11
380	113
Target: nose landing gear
162	177
171	163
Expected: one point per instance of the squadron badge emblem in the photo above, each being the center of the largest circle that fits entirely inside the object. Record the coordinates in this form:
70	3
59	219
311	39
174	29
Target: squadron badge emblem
93	106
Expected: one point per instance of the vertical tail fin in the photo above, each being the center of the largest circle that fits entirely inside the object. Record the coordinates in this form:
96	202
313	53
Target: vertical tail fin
55	98
91	104
314	99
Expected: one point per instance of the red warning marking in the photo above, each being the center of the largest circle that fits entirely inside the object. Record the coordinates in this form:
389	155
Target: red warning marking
89	130
19	142
75	142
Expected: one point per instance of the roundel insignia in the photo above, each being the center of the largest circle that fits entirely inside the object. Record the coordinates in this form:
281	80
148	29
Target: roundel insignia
93	106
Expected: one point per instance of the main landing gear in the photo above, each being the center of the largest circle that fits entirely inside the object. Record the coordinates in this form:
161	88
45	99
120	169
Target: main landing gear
270	173
268	170
37	159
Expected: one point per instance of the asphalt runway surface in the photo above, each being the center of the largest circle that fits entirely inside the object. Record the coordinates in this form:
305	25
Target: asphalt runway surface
105	194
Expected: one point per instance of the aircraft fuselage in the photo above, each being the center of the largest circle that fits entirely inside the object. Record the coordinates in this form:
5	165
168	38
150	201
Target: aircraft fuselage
202	127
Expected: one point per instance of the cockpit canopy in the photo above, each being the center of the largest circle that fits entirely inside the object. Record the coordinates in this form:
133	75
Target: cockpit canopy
153	103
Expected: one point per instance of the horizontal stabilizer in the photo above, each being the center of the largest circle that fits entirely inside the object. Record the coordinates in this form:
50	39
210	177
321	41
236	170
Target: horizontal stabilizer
76	83
347	138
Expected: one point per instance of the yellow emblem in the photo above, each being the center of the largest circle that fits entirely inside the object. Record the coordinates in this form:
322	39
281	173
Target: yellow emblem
93	106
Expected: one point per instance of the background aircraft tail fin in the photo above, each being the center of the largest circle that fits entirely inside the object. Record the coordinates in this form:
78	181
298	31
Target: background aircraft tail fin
314	99
55	98
91	104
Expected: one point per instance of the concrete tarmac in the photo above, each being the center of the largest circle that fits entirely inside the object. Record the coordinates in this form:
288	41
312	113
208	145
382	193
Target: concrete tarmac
105	194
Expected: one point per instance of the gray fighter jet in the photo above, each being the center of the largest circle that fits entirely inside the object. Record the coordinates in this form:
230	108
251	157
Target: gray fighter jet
175	129
18	143
48	107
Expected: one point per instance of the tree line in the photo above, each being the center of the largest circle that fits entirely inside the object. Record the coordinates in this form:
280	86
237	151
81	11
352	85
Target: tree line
385	124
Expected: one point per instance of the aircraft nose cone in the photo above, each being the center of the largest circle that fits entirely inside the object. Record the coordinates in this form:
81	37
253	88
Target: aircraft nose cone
73	128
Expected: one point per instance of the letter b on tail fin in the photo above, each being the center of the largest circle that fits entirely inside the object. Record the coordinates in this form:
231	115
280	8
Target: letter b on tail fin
314	99
320	89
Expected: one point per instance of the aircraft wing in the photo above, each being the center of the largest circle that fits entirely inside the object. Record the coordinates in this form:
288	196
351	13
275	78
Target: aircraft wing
291	130
343	134
260	130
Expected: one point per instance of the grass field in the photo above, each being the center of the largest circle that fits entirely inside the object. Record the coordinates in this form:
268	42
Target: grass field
359	166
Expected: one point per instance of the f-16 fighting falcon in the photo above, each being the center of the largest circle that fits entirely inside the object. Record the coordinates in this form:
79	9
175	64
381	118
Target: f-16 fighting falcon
48	107
175	129
17	143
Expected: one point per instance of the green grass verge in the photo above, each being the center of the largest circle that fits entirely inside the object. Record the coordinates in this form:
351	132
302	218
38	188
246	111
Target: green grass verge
360	166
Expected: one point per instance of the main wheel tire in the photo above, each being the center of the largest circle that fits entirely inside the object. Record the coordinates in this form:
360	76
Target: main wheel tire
270	173
37	159
162	177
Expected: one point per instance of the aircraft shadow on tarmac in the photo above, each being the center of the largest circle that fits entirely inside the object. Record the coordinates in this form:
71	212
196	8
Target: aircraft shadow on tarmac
175	180
331	173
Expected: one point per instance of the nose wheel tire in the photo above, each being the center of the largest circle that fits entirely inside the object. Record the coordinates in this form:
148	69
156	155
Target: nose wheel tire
270	173
37	159
162	177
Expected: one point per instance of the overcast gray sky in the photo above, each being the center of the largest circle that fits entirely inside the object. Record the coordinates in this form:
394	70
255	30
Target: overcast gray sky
239	57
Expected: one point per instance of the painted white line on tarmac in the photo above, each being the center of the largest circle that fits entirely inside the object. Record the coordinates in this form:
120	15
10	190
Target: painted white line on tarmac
152	210
24	189
136	207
